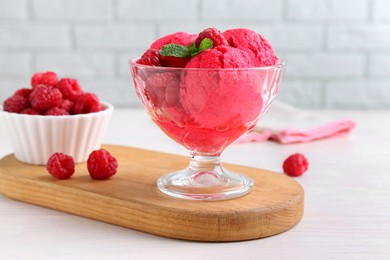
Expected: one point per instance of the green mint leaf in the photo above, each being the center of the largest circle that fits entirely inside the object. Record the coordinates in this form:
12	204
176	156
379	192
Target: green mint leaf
205	44
193	48
175	50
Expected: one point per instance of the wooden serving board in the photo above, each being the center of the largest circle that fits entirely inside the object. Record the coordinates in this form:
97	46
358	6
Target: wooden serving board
131	198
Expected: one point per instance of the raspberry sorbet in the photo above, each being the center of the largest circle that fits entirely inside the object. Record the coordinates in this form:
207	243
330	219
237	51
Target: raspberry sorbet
208	106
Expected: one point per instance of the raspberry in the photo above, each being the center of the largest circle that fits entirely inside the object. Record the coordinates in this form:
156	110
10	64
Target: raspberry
214	35
25	92
56	111
67	105
60	165
86	103
102	107
15	104
295	165
43	98
101	164
30	111
69	88
151	57
45	78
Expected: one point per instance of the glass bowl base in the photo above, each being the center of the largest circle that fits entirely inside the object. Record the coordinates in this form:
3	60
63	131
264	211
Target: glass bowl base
205	185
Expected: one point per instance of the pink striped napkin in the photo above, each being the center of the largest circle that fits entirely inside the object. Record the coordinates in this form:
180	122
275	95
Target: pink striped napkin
286	124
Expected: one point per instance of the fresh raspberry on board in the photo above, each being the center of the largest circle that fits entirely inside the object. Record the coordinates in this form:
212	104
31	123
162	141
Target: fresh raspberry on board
69	88
44	78
86	103
43	98
25	92
214	35
56	111
150	57
30	111
295	165
15	104
60	165
101	164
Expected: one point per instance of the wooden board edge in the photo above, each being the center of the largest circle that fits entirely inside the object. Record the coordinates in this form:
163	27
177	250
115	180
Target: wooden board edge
141	218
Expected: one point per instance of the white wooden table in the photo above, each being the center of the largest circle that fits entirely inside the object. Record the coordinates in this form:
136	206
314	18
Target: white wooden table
347	202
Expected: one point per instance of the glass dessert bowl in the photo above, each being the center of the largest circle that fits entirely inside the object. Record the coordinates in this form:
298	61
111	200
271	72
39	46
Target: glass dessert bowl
205	110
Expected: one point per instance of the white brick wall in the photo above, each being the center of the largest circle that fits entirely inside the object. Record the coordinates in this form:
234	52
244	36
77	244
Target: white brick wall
353	93
381	10
113	37
33	37
308	93
13	9
379	65
14	65
359	38
324	66
293	38
327	10
85	65
72	10
157	11
248	10
337	52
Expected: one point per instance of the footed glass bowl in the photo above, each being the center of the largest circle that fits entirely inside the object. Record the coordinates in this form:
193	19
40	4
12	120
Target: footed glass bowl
205	110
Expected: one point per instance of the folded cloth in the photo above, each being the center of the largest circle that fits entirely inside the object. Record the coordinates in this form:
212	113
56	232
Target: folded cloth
286	124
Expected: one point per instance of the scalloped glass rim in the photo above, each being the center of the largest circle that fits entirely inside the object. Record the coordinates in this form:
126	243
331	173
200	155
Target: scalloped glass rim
133	63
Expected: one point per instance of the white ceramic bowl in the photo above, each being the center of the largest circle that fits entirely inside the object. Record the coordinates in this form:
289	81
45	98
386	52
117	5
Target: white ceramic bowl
35	138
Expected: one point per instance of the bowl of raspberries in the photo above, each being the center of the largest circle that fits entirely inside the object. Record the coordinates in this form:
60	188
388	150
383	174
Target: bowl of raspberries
54	116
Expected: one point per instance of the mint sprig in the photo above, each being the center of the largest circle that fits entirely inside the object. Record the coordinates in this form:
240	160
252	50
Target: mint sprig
193	49
205	44
175	50
181	51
